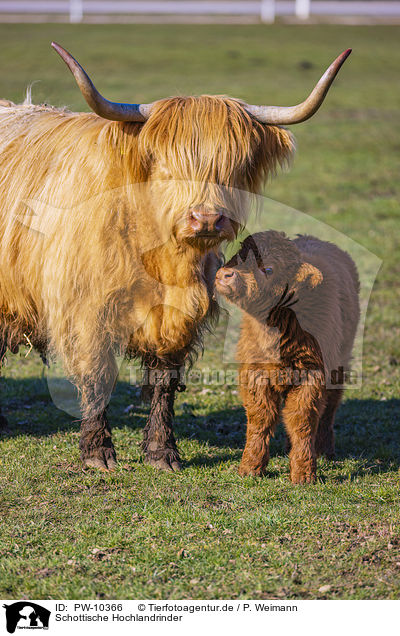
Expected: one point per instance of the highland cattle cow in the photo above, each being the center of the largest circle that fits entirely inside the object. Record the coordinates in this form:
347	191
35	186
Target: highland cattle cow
300	313
136	201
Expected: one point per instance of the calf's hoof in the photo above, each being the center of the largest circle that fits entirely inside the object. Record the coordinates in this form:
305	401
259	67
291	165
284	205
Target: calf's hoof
4	428
103	459
164	459
258	471
303	478
3	422
329	455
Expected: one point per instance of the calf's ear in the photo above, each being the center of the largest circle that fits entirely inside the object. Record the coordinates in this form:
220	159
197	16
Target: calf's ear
310	274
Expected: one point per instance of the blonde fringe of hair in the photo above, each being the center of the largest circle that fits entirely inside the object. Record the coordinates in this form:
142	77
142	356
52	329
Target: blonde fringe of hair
76	214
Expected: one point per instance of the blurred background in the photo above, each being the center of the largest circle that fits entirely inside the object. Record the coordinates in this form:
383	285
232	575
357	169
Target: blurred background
199	10
234	11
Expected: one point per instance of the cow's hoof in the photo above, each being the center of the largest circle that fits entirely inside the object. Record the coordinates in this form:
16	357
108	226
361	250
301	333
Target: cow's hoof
166	460
102	459
163	464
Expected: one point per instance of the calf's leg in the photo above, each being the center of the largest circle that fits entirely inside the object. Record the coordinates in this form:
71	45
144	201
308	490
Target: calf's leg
301	415
325	440
262	409
159	444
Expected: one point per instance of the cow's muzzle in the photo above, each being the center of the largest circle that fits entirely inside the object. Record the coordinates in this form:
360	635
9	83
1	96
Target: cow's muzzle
208	224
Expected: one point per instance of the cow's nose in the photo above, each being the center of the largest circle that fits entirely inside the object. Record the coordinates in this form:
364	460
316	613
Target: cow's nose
206	223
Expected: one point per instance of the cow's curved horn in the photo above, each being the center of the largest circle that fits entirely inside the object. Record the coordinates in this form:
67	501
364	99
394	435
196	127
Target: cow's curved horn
296	114
100	105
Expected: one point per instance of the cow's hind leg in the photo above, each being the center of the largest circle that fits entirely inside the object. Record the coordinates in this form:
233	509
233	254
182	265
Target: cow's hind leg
325	440
159	444
3	423
3	420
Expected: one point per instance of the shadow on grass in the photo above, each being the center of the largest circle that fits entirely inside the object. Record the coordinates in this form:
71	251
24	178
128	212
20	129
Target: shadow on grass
366	430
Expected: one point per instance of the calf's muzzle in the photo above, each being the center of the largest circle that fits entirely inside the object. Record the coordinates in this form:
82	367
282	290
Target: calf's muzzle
225	279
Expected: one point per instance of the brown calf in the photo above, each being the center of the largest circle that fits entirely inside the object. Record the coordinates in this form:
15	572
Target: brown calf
300	312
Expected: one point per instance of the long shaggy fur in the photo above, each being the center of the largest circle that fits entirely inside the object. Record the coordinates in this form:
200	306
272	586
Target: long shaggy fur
88	249
300	313
94	246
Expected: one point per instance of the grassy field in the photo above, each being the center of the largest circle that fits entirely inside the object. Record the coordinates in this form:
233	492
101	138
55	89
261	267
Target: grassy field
206	533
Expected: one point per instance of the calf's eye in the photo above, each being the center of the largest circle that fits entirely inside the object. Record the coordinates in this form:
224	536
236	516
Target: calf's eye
267	270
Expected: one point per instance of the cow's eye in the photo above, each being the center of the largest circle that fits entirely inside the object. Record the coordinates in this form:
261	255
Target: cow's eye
267	270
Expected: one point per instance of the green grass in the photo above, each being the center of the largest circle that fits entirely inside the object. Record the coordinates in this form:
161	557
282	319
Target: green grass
206	533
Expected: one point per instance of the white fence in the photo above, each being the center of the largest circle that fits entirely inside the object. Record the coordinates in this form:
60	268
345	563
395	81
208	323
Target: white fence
266	10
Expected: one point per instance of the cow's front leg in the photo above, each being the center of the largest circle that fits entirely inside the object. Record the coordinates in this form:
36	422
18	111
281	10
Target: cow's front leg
159	444
97	450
